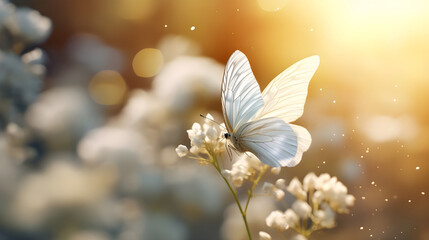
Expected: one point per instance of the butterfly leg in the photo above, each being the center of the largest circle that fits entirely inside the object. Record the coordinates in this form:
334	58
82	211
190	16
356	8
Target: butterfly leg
228	150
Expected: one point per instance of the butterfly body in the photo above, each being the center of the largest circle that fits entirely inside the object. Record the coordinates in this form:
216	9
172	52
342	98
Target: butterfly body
259	122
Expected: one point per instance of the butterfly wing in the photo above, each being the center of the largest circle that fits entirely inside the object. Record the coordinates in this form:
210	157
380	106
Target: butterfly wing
272	140
241	95
285	95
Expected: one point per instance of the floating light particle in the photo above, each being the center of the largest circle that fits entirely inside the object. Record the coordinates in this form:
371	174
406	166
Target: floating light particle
409	200
372	182
396	85
361	228
192	28
367	150
311	29
343	135
370	235
165	25
321	89
361	156
394	99
334	101
386	200
423	193
238	10
323	162
417	168
363	198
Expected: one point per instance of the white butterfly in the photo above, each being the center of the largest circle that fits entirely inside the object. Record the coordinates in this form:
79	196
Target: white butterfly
259	123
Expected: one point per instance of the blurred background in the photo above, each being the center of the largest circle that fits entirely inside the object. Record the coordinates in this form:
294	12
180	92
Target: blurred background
96	95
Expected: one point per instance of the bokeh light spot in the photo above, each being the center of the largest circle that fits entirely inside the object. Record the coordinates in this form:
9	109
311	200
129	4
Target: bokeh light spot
107	87
272	5
148	62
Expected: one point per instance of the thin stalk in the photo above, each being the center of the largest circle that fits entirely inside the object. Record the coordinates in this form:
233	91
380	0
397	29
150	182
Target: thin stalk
243	213
255	183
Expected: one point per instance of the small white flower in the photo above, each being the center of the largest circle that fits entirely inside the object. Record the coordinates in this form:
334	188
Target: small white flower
325	217
245	167
309	181
276	170
182	150
301	208
298	237
350	200
267	187
194	149
278	194
277	220
322	179
30	25
291	218
209	120
264	236
295	188
317	198
240	171
281	183
212	134
273	190
195	131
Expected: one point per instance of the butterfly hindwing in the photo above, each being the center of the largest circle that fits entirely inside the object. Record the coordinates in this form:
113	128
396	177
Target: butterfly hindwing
241	95
272	140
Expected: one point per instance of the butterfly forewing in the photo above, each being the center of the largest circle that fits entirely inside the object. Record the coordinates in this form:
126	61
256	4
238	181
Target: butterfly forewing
285	95
271	139
241	95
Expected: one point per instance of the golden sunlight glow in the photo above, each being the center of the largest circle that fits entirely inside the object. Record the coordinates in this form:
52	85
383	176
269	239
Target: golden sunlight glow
272	5
148	62
135	9
107	88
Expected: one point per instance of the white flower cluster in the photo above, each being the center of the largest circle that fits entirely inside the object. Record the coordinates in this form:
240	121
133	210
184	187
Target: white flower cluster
318	199
205	139
244	168
22	25
20	75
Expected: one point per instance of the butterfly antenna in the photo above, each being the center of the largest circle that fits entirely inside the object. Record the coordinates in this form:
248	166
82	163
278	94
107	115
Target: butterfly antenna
201	115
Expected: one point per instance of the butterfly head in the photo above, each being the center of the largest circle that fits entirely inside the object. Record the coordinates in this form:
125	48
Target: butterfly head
227	135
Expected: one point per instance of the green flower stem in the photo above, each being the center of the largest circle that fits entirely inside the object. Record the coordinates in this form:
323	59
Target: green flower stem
243	213
255	183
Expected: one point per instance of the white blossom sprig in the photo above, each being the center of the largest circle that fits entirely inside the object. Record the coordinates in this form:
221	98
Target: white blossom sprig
318	200
208	145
